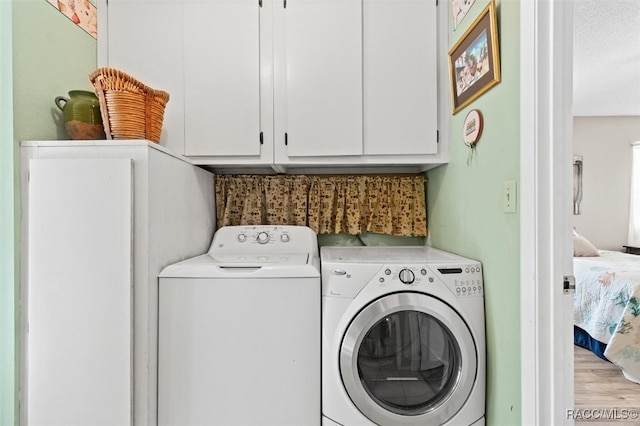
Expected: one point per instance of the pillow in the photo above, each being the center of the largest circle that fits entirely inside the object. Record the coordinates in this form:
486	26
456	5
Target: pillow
344	240
372	239
583	247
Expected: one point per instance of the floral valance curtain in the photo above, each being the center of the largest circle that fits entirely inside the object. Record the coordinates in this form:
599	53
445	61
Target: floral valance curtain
384	204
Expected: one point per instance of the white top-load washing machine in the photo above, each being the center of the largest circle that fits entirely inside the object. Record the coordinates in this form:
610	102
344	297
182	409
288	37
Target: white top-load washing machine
403	337
239	331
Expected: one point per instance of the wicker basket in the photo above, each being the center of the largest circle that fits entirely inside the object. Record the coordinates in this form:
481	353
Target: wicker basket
129	108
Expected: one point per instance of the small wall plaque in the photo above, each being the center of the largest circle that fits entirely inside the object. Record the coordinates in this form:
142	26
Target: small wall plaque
472	128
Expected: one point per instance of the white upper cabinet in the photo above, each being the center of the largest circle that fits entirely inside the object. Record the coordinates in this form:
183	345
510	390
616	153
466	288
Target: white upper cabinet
213	58
400	77
356	83
144	39
288	83
318	72
222	78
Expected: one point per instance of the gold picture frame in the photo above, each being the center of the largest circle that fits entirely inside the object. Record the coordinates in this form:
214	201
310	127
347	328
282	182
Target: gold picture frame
474	61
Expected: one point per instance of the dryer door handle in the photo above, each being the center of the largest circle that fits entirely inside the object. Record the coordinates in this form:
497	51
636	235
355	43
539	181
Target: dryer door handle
339	272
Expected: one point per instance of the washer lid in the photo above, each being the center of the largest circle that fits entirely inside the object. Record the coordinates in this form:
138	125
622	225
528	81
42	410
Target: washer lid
388	254
232	266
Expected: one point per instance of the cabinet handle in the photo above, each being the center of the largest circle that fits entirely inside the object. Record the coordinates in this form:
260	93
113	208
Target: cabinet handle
260	3
261	138
286	139
285	3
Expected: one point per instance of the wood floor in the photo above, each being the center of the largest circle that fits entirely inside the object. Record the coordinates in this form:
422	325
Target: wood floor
601	391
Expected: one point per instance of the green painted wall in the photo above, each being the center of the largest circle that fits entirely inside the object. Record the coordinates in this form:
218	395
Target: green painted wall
464	204
8	238
51	57
43	55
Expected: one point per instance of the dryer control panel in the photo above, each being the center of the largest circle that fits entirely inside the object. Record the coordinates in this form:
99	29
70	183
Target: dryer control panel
462	280
346	271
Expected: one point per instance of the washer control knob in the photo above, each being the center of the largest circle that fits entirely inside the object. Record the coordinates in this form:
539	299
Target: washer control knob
406	276
262	238
284	238
242	238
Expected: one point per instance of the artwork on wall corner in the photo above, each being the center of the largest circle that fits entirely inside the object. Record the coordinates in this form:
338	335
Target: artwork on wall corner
459	9
474	61
81	12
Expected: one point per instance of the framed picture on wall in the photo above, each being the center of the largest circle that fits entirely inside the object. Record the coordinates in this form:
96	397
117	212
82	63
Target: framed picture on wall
459	9
82	13
474	61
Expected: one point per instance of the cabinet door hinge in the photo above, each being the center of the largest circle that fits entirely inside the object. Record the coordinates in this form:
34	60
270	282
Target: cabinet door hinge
568	284
286	139
261	138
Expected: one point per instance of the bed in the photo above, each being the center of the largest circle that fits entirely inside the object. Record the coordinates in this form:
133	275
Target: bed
607	308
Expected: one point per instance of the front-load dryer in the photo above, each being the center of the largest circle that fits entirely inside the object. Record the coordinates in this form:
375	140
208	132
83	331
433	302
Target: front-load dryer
403	337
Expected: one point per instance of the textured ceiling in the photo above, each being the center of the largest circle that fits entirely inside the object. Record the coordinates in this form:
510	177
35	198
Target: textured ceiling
606	57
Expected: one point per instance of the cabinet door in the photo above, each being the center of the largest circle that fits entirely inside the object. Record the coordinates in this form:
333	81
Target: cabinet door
144	39
400	77
79	292
222	77
319	72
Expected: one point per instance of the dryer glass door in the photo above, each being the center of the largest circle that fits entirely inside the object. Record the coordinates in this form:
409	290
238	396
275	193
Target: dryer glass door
408	358
408	361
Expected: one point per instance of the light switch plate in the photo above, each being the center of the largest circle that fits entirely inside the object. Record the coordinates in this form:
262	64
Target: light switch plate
509	196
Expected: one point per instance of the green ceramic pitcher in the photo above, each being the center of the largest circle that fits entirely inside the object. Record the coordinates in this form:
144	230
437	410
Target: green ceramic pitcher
81	111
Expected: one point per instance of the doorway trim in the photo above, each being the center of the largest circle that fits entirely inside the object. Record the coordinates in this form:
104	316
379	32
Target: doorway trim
546	50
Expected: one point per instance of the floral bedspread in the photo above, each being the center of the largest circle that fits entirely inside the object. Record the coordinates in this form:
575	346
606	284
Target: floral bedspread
606	305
